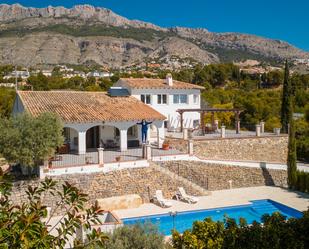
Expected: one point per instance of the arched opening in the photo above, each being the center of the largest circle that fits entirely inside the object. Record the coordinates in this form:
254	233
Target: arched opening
70	141
104	136
134	136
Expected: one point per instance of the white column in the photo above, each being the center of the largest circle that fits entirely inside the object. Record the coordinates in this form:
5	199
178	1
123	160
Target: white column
101	156
160	136
262	126
123	140
148	151
258	130
81	142
190	147
139	133
222	131
185	134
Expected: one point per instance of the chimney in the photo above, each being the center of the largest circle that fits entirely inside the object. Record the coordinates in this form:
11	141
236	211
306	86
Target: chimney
169	79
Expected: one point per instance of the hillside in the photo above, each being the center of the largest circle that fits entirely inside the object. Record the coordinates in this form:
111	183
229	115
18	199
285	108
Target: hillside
86	34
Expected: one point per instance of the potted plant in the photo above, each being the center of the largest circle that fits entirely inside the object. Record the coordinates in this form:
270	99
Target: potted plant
166	144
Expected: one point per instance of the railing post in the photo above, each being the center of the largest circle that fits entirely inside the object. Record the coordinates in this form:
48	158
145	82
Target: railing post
222	131
258	130
185	134
216	123
148	152
101	156
190	147
144	151
277	131
262	123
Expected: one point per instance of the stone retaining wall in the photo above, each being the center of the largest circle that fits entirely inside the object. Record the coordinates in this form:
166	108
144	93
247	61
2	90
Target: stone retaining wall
263	149
142	181
216	177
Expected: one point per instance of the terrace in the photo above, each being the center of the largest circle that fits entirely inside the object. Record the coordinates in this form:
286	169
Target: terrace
92	157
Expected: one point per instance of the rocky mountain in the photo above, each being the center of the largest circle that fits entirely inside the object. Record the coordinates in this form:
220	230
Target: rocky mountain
83	34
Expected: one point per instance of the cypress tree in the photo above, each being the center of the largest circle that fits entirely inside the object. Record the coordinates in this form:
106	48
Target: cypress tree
291	162
292	155
286	112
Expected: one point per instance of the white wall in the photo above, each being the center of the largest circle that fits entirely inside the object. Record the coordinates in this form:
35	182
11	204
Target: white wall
170	109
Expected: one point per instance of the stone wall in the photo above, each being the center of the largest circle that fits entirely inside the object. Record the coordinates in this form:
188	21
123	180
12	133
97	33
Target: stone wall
216	177
179	144
263	149
142	181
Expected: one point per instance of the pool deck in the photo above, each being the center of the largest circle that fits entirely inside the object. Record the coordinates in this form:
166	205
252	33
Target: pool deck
224	198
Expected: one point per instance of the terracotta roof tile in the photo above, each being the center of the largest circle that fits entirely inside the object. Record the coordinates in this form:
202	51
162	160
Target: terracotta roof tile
147	83
74	106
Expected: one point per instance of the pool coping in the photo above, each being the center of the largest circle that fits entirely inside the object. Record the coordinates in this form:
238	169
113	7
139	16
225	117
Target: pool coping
250	203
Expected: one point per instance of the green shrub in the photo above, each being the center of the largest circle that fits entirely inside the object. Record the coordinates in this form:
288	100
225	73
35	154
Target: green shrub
302	183
275	233
139	236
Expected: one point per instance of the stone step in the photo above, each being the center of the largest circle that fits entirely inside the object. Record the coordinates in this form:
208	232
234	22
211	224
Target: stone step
180	178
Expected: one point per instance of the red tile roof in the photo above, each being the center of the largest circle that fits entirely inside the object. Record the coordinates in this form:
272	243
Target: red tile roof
80	107
147	83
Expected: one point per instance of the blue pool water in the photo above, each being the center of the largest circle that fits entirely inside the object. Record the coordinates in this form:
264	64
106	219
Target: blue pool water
184	220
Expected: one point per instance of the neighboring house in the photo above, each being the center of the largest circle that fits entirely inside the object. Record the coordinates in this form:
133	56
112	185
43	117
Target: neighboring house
45	72
19	74
167	96
97	74
64	68
69	75
93	119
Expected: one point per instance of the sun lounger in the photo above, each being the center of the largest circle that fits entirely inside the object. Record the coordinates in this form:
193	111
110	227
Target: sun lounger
183	196
159	199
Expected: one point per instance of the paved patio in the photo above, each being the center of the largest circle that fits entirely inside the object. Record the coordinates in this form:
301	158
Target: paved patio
224	198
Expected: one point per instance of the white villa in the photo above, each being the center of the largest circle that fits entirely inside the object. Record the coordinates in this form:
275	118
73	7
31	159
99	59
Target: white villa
109	120
167	96
92	119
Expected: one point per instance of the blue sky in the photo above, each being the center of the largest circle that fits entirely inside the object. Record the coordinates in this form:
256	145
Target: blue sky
284	20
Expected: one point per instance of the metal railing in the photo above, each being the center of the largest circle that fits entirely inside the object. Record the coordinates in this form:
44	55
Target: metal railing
69	160
132	154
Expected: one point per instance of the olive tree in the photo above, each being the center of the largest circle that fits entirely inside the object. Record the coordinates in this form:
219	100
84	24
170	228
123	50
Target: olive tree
28	140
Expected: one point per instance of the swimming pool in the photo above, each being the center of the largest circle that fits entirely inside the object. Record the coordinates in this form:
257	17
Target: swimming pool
184	220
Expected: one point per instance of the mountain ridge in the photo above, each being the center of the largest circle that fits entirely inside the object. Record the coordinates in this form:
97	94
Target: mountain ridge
31	36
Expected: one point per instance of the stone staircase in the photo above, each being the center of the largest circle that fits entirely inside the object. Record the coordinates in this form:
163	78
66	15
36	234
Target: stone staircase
182	180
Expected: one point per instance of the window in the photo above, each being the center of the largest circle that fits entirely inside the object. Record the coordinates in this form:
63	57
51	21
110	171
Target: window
183	98
162	99
180	99
195	99
176	99
145	98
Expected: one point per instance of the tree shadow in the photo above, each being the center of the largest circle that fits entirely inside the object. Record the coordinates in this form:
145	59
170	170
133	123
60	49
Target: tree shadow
268	179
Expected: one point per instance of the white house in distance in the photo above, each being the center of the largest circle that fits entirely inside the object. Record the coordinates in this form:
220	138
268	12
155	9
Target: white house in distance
167	96
93	119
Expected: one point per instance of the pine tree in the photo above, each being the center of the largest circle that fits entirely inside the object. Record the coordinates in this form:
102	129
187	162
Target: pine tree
286	112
